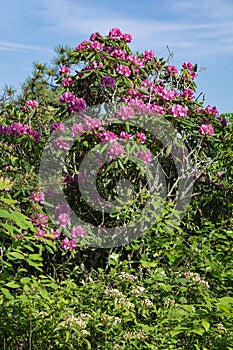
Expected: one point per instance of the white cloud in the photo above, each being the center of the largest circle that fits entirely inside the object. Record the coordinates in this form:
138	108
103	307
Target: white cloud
19	47
199	29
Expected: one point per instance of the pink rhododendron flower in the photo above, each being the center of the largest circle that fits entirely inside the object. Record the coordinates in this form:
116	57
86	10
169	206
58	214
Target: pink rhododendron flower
127	38
58	126
77	130
187	94
187	65
37	197
140	137
107	81
148	55
171	70
95	45
145	156
64	70
178	111
68	244
63	144
125	135
117	53
67	82
108	136
134	59
115	33
92	124
123	70
83	45
125	113
66	97
192	74
155	108
168	95
31	104
212	110
115	150
39	219
56	234
62	208
63	220
218	174
77	104
78	231
95	36
206	129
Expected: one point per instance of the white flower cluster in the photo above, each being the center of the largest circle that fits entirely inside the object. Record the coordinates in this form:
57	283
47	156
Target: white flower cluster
221	328
126	277
196	278
137	291
80	322
114	319
114	292
147	303
169	302
123	302
141	335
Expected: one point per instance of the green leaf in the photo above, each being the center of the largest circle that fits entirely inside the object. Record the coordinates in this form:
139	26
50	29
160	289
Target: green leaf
8	200
25	280
44	294
12	285
198	331
16	255
205	325
7	294
35	257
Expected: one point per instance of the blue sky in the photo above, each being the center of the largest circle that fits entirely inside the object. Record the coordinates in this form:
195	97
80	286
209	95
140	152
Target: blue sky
197	31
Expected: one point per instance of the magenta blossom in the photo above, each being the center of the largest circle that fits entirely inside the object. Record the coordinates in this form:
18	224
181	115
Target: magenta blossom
78	231
171	70
95	45
37	197
125	112
107	81
92	124
64	70
148	55
178	111
31	104
58	126
63	220
187	94
212	110
115	33
206	129
63	144
68	244
140	137
67	82
62	208
187	65
125	136
115	150
77	130
127	38
107	136
123	70
145	156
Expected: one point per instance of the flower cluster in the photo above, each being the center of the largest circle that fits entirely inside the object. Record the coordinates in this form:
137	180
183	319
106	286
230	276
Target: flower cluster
18	129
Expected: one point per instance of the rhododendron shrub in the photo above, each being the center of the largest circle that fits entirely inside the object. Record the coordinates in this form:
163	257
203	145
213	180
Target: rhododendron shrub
104	69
